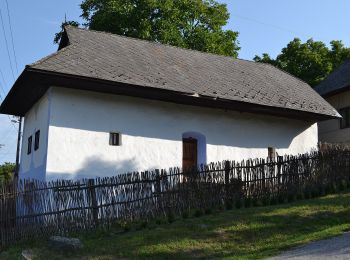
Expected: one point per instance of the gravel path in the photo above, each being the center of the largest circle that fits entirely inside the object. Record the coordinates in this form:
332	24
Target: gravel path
334	248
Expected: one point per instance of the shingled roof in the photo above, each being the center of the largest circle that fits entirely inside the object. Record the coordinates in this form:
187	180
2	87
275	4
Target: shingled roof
123	65
337	81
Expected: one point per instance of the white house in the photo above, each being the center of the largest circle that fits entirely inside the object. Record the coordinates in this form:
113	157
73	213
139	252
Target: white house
105	104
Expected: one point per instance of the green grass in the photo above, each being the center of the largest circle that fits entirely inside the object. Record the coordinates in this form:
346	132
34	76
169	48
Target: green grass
251	233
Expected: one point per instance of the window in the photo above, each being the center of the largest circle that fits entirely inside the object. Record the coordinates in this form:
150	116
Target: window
271	152
36	140
345	121
29	149
115	139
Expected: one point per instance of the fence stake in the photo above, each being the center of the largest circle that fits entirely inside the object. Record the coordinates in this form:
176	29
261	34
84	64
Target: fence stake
92	200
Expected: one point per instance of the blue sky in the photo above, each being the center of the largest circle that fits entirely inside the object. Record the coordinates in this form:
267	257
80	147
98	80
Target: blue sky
264	26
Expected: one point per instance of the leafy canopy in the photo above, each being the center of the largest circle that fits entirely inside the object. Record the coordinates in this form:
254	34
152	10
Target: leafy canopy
6	171
192	24
311	61
58	35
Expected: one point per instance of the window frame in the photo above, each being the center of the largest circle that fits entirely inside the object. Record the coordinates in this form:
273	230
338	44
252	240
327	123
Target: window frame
37	140
271	152
29	144
115	139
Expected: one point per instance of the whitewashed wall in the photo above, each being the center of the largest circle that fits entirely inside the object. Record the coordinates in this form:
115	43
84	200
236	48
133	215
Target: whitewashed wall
33	165
329	131
80	123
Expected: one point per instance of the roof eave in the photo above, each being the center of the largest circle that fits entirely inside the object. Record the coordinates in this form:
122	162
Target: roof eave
33	83
336	91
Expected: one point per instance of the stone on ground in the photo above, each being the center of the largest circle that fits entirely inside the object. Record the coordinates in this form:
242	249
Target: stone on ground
65	243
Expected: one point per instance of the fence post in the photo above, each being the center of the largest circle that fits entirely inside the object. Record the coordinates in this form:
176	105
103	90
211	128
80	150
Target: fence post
93	200
227	179
157	188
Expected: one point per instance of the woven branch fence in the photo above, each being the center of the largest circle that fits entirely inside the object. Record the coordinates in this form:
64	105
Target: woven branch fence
33	209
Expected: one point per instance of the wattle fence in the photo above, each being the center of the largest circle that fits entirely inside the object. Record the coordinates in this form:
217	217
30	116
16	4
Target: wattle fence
33	209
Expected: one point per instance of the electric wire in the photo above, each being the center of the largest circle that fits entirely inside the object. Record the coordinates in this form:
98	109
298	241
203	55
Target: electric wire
6	43
11	34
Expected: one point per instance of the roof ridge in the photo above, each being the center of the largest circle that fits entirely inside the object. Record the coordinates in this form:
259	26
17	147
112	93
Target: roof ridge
158	43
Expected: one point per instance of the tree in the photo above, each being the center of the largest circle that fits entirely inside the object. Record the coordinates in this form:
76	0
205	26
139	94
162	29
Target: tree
6	171
311	61
193	24
59	34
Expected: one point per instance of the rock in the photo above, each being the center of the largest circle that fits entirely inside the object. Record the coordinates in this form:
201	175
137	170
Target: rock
28	255
65	243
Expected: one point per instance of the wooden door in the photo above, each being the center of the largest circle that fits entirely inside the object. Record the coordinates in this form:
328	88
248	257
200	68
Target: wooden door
189	150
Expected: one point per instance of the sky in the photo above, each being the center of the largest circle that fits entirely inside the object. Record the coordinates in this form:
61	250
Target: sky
263	26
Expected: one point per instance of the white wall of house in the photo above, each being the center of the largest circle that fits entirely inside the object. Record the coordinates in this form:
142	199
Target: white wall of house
75	125
152	131
33	165
330	131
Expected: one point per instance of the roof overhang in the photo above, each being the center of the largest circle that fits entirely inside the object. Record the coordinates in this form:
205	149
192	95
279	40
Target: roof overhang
336	91
32	85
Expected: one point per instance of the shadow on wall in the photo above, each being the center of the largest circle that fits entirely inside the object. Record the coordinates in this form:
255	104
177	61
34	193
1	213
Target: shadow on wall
94	167
153	119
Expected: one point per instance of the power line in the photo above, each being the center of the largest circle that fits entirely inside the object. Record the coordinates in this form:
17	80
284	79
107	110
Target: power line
275	26
12	123
7	47
13	45
3	90
2	77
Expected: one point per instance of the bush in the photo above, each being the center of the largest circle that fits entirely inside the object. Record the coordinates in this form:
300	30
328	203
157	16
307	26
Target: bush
315	192
342	185
291	197
281	198
6	171
159	221
185	214
208	211
266	200
198	213
274	201
171	217
229	205
300	196
321	190
238	204
247	202
257	202
307	194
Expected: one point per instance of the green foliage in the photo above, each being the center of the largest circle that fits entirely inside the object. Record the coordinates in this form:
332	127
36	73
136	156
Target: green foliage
6	171
198	213
171	216
185	214
58	35
311	61
208	211
192	24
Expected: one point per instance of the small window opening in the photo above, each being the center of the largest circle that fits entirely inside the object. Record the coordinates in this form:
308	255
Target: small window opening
36	140
345	121
271	152
29	149
115	139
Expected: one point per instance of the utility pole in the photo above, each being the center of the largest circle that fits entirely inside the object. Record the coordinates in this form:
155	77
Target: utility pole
18	146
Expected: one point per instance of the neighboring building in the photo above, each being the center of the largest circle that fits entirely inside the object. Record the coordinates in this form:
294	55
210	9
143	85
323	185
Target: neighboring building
105	104
336	90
